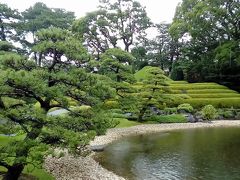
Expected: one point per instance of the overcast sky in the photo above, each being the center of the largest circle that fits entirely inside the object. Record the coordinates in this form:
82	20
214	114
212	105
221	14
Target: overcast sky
158	10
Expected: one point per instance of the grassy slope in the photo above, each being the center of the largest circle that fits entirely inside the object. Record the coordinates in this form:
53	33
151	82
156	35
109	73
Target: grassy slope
142	74
126	123
41	174
198	94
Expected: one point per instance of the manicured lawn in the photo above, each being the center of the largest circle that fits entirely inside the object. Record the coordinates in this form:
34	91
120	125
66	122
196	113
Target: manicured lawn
173	118
126	123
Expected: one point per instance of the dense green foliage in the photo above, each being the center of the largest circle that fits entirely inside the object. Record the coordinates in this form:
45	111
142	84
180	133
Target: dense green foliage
209	112
86	67
29	169
50	86
212	28
185	107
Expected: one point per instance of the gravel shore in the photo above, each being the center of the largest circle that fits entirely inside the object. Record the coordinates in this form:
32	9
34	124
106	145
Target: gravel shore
117	133
86	168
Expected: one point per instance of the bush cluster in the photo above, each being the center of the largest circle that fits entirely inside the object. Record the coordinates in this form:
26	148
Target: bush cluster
185	107
170	111
229	113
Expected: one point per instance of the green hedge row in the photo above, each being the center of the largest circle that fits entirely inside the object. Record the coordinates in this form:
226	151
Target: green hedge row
173	118
216	102
198	87
202	91
178	82
185	82
215	95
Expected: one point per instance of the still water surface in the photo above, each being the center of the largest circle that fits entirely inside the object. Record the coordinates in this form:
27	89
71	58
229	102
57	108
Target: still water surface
212	153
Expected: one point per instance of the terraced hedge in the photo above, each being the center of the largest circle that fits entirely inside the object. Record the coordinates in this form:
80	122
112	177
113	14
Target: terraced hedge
216	102
216	95
196	94
198	87
201	94
203	91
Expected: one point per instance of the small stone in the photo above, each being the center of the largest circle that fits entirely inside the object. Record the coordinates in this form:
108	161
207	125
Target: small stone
97	148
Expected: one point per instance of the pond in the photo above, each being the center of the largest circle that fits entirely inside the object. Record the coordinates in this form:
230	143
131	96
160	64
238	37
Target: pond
206	153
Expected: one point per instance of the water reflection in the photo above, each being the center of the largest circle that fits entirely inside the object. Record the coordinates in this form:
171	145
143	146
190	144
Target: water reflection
211	153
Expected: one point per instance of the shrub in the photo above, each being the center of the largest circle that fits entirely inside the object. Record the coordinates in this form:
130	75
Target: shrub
111	104
227	113
174	118
237	116
117	115
170	110
209	112
119	111
185	107
143	74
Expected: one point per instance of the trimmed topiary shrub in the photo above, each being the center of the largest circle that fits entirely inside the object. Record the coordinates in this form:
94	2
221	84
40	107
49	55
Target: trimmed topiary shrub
185	107
197	87
215	95
209	112
170	110
202	91
173	118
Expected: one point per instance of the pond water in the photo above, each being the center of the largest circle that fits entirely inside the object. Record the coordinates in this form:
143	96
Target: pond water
210	153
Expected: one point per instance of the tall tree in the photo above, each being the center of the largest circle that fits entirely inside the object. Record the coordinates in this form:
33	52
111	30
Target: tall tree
128	18
151	94
116	22
24	84
211	26
39	16
57	44
97	32
8	21
160	46
116	63
140	54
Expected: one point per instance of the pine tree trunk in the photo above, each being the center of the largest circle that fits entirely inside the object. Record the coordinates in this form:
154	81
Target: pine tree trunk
14	172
